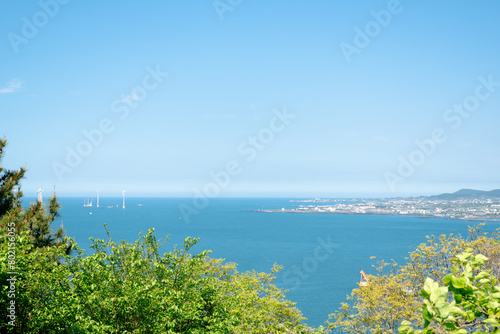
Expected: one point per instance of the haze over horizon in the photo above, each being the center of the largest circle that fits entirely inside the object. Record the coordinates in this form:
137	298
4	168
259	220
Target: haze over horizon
250	98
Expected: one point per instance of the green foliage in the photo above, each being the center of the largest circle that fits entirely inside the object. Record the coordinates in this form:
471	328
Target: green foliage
39	280
468	301
36	219
392	297
28	249
131	288
377	307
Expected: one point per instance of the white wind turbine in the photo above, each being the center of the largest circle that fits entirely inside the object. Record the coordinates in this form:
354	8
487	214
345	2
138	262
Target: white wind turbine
123	194
40	195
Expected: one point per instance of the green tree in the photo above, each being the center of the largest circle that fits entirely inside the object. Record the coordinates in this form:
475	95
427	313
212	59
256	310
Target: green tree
132	288
468	301
27	246
377	307
38	282
36	219
393	297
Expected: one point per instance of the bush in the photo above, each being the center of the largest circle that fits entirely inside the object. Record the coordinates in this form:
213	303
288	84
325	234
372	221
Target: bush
469	301
393	296
131	288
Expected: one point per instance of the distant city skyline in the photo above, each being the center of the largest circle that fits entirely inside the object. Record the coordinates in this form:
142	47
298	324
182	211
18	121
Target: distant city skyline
250	98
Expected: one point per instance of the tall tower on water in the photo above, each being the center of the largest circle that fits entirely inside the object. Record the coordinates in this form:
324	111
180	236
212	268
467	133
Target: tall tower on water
40	194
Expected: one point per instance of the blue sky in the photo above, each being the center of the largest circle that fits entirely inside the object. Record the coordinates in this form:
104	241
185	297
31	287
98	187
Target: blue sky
362	84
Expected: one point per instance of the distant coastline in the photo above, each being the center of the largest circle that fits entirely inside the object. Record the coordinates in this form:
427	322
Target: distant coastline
465	204
378	214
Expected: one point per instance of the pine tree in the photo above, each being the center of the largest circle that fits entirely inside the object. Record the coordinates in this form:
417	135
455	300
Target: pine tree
9	197
36	219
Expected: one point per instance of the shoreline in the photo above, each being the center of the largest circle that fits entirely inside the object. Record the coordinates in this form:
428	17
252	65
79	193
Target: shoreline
379	214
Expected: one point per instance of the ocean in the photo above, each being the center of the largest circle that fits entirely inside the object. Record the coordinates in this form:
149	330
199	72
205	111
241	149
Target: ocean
322	254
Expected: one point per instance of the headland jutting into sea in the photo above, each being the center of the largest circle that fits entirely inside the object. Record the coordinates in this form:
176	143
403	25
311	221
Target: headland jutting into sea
464	204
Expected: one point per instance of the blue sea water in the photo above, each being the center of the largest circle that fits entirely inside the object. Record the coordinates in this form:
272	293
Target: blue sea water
322	254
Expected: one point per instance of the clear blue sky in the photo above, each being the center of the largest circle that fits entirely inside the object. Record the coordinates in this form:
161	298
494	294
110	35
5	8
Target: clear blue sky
77	65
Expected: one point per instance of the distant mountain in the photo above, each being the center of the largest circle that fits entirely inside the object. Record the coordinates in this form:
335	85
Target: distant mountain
468	193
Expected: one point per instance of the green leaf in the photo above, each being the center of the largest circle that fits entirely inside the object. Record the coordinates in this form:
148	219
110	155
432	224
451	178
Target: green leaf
447	279
480	259
405	328
438	294
458	297
426	315
458	283
491	321
450	326
482	274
